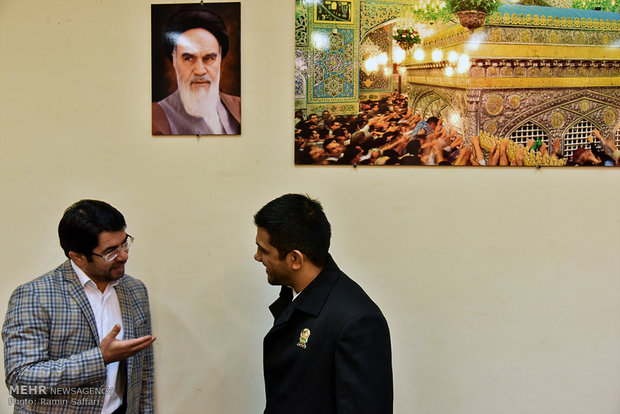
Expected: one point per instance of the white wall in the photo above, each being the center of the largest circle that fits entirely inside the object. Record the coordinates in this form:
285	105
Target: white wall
501	286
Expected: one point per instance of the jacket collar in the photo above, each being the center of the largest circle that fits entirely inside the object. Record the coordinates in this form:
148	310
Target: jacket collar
311	299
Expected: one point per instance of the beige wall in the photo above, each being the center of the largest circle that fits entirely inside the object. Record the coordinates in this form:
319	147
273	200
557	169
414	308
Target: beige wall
501	286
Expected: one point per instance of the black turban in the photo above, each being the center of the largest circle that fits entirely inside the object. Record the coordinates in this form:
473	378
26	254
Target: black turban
195	18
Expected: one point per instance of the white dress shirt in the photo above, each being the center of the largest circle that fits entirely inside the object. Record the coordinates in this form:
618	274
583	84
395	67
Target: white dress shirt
107	313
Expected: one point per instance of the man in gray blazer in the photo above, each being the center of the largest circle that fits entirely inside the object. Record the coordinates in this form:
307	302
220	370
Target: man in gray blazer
77	339
329	348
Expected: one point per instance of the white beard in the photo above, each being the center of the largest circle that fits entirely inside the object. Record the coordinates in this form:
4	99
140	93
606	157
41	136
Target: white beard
202	103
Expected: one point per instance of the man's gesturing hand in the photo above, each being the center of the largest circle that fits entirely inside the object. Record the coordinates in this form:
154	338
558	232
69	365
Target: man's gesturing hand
114	349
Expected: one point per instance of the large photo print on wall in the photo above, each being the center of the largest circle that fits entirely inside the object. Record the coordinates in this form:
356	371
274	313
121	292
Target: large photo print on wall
196	69
419	82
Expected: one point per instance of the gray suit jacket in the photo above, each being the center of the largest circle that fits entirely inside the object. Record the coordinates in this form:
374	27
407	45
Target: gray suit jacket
52	359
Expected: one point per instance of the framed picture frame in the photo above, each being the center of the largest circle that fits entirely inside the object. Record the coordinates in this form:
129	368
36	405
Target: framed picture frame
196	69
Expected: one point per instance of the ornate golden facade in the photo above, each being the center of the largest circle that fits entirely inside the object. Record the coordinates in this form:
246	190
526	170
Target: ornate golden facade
549	70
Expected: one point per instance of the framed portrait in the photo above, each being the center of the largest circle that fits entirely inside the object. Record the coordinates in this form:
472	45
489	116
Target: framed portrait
196	69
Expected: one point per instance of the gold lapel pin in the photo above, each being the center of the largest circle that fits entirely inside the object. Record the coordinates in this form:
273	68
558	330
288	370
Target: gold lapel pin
303	338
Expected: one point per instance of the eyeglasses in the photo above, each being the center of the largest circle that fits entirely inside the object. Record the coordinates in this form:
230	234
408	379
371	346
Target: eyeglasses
114	253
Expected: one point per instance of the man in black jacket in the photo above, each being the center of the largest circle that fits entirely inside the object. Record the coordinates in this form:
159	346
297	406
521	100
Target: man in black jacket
329	348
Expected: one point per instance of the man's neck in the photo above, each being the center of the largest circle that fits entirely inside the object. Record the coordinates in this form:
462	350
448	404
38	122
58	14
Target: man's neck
305	276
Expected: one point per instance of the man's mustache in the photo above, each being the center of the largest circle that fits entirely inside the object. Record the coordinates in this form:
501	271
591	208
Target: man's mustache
201	79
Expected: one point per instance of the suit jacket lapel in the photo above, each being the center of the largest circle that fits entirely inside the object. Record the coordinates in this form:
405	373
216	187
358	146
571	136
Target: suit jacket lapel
131	314
280	305
125	301
76	290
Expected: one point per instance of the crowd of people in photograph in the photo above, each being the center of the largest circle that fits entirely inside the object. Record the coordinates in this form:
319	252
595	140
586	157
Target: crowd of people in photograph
389	132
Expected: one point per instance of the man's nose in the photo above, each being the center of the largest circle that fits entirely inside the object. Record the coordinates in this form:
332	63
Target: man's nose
123	255
200	68
257	256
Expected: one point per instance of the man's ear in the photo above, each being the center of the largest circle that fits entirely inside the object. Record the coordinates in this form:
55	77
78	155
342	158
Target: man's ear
295	259
78	258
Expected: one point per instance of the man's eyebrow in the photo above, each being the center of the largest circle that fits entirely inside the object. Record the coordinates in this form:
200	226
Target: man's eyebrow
116	246
111	248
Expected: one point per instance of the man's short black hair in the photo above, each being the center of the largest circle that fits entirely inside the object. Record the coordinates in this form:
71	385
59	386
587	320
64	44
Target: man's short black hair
349	154
81	224
339	132
296	222
328	141
306	133
413	147
432	119
323	132
411	160
196	17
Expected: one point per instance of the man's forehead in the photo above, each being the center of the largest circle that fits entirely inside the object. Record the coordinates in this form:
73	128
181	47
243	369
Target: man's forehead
111	238
197	39
262	237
